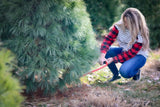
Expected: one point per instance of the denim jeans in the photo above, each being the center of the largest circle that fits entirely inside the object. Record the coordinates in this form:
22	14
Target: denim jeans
129	68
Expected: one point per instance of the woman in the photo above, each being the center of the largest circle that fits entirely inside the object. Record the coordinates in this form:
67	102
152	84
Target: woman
132	34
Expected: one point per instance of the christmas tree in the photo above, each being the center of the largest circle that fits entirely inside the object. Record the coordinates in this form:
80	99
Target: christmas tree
52	39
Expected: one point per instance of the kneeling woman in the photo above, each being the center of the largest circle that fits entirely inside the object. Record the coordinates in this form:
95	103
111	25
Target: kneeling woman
132	34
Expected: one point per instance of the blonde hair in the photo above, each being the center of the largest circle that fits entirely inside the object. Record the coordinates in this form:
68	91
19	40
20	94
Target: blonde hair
136	24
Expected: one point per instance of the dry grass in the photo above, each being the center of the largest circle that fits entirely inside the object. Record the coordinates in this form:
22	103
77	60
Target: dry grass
85	96
99	97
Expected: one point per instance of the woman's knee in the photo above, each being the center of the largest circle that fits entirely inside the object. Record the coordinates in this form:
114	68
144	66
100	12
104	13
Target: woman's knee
125	73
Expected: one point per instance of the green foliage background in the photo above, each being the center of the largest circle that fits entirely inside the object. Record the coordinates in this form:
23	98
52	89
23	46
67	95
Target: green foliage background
103	13
9	87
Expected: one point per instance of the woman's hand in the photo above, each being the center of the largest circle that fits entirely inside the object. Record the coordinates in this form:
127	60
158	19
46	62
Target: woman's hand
109	60
102	59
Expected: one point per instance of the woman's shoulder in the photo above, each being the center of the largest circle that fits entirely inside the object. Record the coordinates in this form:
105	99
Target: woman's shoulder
114	28
120	28
117	25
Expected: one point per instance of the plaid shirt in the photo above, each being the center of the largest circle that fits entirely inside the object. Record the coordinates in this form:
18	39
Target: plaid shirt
125	55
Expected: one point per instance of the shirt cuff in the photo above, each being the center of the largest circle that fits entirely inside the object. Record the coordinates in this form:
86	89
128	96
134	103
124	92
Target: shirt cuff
102	51
115	59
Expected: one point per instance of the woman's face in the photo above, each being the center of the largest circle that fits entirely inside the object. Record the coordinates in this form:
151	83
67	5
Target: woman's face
125	22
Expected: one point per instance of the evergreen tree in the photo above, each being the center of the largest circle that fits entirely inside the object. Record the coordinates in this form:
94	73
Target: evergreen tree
151	11
103	13
9	86
52	39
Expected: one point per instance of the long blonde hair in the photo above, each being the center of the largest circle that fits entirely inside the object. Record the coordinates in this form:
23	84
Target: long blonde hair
136	24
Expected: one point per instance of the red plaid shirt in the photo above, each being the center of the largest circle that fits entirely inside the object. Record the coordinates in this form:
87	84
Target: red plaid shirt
125	55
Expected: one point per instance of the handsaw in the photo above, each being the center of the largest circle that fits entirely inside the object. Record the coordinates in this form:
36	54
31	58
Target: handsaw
96	69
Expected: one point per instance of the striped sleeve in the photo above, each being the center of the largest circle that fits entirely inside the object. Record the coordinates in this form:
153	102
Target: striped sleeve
109	39
126	55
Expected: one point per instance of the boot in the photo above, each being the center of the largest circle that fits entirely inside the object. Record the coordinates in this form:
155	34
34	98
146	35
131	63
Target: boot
115	77
137	76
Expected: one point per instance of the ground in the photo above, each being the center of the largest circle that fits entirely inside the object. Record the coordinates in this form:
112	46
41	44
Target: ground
95	92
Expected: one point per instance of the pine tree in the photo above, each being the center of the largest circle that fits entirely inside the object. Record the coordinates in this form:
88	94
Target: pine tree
10	88
151	11
103	13
52	39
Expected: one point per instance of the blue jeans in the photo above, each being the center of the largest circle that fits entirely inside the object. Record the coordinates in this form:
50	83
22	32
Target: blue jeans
129	68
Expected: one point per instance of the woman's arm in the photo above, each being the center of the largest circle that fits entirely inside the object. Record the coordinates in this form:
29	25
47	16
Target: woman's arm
107	42
109	39
126	55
